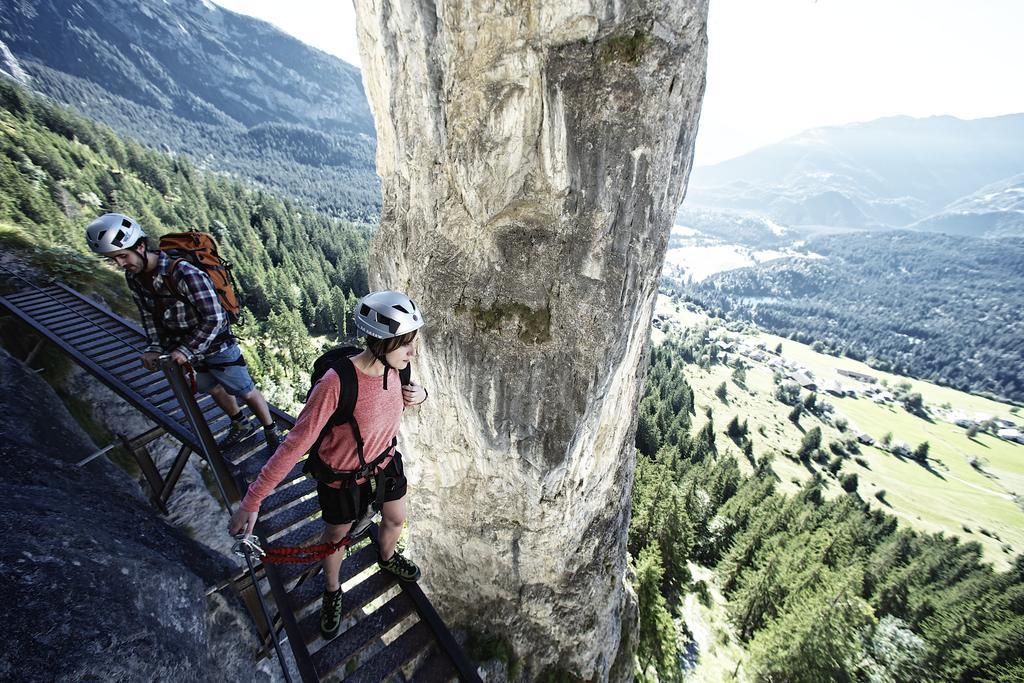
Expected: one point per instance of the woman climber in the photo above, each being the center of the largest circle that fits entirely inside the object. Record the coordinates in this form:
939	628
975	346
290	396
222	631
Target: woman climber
338	442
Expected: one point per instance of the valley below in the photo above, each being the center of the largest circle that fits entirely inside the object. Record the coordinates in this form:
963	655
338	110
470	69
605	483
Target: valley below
970	486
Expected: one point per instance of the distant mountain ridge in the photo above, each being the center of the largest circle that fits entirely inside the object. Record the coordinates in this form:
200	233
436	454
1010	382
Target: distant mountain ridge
996	209
886	173
188	76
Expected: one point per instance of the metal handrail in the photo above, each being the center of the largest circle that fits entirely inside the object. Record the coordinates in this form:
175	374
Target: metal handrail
210	450
225	482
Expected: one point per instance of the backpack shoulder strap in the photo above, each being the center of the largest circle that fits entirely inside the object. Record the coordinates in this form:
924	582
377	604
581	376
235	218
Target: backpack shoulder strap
172	281
349	391
345	412
405	374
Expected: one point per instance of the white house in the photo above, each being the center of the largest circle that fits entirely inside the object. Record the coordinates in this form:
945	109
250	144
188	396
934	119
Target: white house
803	379
1010	434
865	438
835	388
857	375
901	448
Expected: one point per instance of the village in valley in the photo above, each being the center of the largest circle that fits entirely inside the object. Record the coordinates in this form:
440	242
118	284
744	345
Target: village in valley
940	460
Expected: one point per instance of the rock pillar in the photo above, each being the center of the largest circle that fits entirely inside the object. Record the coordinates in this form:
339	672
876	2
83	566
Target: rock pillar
532	157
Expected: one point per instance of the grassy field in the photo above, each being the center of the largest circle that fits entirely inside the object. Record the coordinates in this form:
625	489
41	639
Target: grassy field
949	495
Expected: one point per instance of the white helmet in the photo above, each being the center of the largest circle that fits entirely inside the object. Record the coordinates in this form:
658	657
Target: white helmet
113	232
387	314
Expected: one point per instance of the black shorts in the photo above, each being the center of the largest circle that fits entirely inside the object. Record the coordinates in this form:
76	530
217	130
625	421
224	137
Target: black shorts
349	503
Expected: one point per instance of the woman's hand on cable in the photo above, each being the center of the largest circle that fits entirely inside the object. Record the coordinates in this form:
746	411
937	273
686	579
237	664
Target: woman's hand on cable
413	394
242	521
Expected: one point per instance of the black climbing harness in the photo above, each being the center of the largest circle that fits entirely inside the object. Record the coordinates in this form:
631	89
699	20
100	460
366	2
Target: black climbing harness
340	360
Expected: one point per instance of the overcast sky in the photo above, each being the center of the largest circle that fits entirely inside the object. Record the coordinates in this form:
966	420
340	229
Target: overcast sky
779	67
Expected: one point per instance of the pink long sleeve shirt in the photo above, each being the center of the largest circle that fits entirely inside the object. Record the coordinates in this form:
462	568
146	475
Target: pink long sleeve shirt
378	413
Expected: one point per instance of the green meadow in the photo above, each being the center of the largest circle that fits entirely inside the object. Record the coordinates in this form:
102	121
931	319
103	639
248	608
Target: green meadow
950	495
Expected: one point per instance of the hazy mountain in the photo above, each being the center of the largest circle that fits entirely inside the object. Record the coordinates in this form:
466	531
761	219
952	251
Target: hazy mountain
735	227
188	76
885	173
996	210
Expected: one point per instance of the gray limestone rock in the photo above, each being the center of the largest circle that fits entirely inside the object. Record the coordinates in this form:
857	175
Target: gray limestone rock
9	66
95	585
532	156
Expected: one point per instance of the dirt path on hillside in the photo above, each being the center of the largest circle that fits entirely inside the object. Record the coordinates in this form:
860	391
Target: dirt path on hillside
714	656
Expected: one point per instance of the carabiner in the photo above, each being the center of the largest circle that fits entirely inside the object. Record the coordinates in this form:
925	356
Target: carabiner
247	544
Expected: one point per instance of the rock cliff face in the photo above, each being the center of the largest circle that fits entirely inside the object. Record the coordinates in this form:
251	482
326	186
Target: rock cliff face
532	155
99	587
9	66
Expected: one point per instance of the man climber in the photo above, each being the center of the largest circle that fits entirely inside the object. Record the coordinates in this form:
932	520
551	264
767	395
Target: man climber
182	317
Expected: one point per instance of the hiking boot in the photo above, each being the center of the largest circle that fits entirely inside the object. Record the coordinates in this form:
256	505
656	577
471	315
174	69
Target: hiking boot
404	569
240	429
330	614
272	436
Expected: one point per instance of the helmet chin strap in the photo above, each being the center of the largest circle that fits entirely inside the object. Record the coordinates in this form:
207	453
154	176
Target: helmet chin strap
387	366
144	260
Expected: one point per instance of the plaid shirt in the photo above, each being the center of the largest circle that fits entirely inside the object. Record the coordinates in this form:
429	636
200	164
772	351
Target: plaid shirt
197	328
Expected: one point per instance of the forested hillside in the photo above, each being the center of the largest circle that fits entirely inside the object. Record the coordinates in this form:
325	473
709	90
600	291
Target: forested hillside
232	92
938	307
817	589
296	269
334	173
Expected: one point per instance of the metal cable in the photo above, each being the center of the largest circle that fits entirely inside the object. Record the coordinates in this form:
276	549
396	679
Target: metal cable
255	583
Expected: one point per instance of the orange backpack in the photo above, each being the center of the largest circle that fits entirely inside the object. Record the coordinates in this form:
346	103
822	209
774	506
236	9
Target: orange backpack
200	249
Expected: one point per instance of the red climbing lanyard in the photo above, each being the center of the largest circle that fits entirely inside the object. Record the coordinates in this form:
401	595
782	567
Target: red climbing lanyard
249	544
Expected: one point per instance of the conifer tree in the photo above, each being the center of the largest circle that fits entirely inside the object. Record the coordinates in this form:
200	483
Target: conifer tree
759	594
733	430
921	452
819	637
657	643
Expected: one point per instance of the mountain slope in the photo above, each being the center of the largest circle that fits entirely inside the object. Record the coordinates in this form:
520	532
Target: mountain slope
187	76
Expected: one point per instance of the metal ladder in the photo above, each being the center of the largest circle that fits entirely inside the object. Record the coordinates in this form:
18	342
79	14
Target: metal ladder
390	630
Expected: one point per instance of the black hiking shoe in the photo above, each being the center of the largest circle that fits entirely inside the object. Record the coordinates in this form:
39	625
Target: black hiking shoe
404	569
240	430
272	436
330	614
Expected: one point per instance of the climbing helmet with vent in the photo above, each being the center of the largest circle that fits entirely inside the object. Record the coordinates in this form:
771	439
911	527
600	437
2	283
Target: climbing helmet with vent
113	232
387	314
